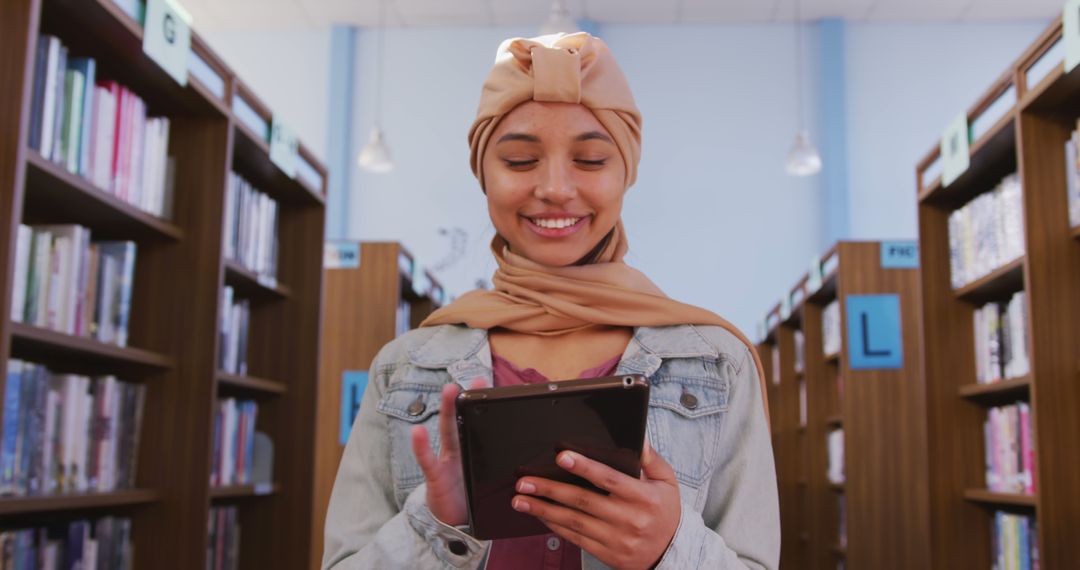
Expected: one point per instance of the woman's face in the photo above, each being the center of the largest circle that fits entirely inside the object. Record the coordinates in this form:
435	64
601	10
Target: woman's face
554	181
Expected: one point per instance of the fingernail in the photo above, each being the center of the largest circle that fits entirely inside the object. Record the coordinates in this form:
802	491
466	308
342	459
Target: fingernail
526	487
566	460
521	506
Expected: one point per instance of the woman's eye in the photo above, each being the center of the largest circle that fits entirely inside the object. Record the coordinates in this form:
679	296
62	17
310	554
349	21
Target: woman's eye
520	163
592	163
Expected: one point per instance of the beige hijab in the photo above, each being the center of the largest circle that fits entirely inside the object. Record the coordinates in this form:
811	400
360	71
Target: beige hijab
542	300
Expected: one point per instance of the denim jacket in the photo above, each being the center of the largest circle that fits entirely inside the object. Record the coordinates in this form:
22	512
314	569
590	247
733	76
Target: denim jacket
718	443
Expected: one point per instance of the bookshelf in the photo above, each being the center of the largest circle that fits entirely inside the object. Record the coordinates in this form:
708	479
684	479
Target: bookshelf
360	317
1032	109
218	126
881	412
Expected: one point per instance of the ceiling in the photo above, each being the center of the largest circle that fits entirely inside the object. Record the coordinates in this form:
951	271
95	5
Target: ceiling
241	14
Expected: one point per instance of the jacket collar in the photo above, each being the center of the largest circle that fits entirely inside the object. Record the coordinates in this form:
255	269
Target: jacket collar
465	353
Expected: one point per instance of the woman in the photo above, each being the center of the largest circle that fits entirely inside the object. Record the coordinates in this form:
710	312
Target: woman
555	145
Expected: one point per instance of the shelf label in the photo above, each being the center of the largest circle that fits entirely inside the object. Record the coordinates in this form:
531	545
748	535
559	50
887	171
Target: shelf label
284	147
1070	32
268	281
955	150
353	383
814	277
263	488
341	255
167	37
874	333
899	255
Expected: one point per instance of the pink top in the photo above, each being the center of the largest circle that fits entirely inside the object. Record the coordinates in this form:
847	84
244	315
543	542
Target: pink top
543	551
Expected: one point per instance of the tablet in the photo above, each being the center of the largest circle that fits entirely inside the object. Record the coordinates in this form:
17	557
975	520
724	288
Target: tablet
507	433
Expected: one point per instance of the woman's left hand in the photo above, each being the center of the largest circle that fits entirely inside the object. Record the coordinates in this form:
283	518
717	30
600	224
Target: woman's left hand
629	528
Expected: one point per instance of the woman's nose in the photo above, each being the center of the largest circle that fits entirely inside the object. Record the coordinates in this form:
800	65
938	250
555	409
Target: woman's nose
556	182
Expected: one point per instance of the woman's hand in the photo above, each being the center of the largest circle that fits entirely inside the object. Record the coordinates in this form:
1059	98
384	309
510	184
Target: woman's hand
445	482
629	528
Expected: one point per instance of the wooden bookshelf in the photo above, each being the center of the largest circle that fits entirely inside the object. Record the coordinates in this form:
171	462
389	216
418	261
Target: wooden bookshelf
179	275
882	412
1039	121
360	317
20	506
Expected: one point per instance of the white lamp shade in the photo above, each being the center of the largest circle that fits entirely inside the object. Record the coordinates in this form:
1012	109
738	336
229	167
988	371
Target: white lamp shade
803	158
375	156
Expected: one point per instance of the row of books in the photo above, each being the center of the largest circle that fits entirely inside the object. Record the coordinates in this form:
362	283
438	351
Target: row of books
830	328
1001	340
835	446
841	523
800	351
775	366
1010	449
103	544
987	232
234	442
65	433
251	221
802	403
98	129
223	546
403	317
1015	542
235	320
1072	176
65	282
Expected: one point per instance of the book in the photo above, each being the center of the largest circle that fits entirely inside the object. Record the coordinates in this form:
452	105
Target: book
1001	340
234	449
68	433
987	232
73	285
835	447
23	243
251	220
1010	453
99	129
82	544
830	328
223	544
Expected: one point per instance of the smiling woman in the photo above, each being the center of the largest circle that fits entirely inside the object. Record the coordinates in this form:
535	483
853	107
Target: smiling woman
555	182
555	146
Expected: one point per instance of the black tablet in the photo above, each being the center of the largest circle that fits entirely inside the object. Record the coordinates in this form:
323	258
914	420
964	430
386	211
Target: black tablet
507	433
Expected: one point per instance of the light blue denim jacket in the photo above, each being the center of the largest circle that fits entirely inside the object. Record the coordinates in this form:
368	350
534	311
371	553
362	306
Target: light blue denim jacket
719	447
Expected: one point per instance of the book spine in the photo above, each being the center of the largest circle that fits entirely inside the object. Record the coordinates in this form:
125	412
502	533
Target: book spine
48	106
12	391
37	104
87	116
24	240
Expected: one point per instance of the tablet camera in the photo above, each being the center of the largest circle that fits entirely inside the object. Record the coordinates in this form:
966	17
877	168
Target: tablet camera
627	382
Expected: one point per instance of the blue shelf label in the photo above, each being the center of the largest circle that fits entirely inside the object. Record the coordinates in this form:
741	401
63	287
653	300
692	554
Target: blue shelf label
899	255
353	384
874	334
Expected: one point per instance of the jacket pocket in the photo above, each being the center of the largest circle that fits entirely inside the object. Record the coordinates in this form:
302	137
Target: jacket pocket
685	419
405	406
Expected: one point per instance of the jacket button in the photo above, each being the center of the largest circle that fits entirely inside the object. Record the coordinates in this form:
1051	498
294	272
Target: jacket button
688	400
416	408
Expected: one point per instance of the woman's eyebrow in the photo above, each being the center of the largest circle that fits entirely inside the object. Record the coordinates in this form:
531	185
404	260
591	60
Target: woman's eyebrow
518	137
593	135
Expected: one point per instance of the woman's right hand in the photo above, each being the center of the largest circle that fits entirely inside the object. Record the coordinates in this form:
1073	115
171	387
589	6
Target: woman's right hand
445	482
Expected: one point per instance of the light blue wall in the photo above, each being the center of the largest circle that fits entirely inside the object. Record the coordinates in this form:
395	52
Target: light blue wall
905	82
713	219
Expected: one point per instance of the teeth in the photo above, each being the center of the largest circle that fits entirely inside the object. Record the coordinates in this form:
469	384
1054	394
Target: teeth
555	223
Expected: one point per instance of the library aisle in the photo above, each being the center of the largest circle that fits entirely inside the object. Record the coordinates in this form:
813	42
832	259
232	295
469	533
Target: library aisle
247	245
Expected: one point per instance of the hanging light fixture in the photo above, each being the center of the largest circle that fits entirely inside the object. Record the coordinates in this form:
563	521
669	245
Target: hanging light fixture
375	156
559	20
803	159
